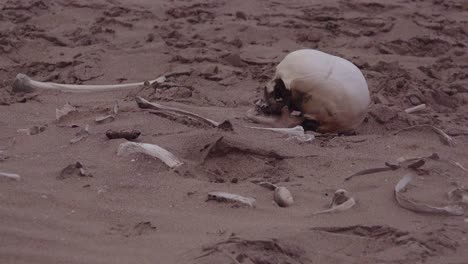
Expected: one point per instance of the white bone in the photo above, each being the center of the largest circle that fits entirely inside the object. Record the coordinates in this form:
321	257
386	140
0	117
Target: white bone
325	88
421	207
341	202
153	150
283	197
415	108
296	132
145	104
224	196
24	82
10	176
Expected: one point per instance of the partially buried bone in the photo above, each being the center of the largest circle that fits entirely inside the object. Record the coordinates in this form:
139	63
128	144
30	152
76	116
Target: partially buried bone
32	130
11	176
80	135
458	195
281	195
152	150
341	201
230	197
421	207
330	92
415	108
110	117
24	83
145	104
296	132
448	140
65	110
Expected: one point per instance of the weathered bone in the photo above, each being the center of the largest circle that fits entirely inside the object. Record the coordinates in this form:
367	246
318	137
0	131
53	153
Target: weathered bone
153	150
10	176
324	88
110	117
80	135
296	132
415	108
448	140
421	207
341	202
458	195
224	196
281	195
25	84
65	110
145	104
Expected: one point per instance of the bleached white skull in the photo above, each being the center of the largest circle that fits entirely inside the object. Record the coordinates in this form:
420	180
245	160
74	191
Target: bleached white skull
330	92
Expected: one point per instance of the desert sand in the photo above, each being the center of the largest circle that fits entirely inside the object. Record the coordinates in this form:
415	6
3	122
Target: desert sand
217	56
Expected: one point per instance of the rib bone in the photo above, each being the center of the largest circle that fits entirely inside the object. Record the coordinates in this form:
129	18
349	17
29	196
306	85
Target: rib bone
24	83
150	149
422	207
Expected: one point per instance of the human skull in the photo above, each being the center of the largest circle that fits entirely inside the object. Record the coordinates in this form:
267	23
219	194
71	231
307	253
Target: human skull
330	92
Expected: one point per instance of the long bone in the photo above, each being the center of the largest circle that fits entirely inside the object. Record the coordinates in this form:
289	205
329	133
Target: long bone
25	84
145	104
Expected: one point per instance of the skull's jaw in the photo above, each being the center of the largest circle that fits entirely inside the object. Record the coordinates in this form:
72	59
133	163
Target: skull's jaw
276	97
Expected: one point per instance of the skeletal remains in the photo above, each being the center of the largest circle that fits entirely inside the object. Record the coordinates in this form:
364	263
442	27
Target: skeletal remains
341	201
329	92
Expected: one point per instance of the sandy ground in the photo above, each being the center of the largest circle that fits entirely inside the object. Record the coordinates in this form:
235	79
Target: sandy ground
219	54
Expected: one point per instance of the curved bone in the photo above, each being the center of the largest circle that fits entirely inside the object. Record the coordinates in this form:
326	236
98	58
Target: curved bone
145	104
156	151
422	207
25	84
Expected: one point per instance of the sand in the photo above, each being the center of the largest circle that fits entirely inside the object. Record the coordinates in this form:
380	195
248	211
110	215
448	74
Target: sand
219	54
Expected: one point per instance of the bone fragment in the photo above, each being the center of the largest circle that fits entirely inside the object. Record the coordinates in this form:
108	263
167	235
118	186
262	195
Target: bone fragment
25	83
341	201
270	186
80	135
74	169
230	197
153	150
415	108
283	197
110	117
66	109
296	132
12	176
32	130
448	140
104	119
458	164
145	104
421	207
458	195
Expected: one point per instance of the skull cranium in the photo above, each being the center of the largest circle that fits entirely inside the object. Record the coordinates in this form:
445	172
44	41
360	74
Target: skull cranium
330	92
